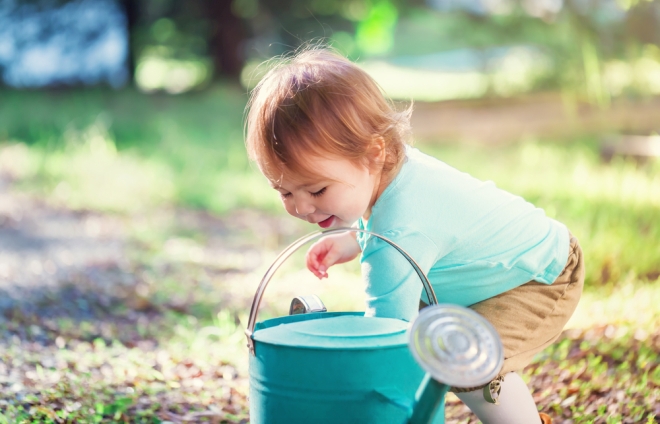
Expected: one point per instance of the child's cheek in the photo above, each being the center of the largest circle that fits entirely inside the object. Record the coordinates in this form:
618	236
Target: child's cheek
288	207
291	210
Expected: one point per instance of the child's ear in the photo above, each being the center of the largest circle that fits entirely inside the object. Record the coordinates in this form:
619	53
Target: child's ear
376	154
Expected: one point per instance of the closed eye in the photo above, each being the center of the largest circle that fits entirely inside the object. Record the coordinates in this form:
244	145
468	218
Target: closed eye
319	193
285	195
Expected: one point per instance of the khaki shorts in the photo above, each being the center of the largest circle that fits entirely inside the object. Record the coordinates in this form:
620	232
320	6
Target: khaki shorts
531	317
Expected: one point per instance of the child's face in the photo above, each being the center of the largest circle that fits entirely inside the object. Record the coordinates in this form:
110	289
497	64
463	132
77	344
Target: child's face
341	194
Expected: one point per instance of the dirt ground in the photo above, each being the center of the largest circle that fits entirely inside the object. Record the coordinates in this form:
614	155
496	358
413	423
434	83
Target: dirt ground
43	246
540	115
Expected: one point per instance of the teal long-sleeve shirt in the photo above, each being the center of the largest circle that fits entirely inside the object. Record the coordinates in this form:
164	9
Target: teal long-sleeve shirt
472	239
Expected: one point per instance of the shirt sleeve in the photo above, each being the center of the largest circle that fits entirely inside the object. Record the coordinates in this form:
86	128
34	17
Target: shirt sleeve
393	287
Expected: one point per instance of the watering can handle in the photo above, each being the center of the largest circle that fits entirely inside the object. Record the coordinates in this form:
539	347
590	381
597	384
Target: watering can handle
256	302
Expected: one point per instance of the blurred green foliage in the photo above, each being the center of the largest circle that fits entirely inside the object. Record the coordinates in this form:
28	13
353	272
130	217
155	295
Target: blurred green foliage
595	52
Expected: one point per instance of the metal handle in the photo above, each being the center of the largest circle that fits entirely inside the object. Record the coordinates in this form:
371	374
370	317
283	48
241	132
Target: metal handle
256	302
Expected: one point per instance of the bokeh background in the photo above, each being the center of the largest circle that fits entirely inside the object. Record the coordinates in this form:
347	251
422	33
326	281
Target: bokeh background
134	231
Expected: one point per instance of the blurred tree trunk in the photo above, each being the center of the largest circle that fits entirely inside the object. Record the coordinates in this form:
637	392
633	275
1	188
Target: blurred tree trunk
131	11
226	39
643	22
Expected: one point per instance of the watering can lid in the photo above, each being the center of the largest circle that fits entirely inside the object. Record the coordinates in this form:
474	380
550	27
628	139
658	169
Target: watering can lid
332	330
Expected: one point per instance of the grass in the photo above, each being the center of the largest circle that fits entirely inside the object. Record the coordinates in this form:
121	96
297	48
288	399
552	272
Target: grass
202	225
124	152
74	379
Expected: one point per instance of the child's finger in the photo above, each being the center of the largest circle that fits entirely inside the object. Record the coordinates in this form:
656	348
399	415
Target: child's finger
323	271
320	257
330	258
313	262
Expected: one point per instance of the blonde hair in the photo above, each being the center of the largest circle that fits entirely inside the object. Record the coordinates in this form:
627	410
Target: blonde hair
318	102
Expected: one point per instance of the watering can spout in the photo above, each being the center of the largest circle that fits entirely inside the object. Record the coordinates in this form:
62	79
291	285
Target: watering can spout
424	408
430	400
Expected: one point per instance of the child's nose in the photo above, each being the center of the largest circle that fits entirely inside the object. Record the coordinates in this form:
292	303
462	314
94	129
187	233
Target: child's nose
304	207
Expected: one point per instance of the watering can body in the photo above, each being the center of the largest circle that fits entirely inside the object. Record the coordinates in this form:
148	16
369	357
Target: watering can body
343	367
332	367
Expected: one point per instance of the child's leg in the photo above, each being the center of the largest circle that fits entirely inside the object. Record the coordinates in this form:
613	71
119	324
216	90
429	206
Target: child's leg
515	403
528	319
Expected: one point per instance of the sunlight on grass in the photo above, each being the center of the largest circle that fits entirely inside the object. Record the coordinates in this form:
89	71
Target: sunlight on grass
424	85
127	151
460	74
91	175
630	303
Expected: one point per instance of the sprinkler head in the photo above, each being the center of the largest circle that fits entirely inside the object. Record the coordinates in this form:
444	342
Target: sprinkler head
456	345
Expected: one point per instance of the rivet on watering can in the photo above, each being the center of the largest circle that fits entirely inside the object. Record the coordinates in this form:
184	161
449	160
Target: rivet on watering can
306	305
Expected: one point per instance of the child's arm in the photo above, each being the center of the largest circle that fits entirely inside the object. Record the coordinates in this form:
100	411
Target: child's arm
330	250
393	288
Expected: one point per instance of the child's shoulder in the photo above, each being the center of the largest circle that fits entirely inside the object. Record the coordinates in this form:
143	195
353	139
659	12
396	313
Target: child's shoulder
426	187
421	181
415	155
425	170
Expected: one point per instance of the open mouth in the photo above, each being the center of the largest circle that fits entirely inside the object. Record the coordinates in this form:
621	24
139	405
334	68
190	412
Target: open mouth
327	222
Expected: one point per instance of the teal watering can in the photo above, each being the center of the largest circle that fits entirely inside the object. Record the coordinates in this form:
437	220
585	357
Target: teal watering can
342	367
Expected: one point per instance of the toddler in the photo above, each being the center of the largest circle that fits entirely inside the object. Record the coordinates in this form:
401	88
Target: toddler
336	150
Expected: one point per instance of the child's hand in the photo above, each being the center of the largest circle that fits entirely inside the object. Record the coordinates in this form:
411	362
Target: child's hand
330	250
